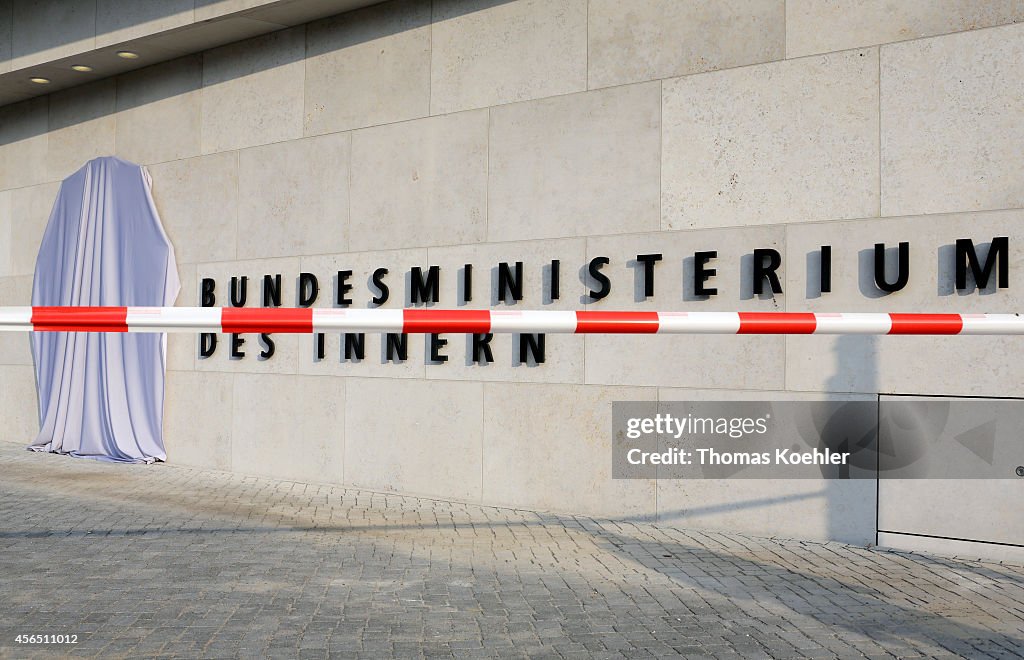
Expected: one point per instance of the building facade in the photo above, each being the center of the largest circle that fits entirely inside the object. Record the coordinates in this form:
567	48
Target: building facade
342	141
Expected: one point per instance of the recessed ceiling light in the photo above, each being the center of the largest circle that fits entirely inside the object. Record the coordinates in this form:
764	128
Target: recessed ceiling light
40	81
81	67
127	54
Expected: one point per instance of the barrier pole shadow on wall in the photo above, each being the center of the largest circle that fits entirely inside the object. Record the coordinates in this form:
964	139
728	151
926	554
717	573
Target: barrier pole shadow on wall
853	501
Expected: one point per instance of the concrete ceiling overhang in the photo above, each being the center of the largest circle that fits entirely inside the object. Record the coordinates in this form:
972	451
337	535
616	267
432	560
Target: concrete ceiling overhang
163	45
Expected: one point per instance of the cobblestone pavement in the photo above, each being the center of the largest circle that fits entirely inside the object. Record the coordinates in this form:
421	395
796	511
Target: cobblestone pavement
174	562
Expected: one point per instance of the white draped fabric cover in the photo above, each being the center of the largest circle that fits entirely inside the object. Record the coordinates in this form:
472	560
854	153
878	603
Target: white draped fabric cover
101	395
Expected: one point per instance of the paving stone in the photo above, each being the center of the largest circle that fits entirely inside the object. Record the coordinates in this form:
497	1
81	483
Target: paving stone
165	561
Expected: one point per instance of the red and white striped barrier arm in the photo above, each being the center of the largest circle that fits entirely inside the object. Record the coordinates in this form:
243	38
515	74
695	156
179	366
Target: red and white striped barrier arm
309	320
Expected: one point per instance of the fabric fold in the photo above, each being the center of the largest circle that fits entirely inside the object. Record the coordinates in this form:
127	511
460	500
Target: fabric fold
101	395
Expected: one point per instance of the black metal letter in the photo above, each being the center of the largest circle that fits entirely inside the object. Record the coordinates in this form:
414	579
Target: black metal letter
269	351
763	270
208	298
397	344
272	290
467	283
436	344
238	294
902	264
207	344
826	269
509	284
309	289
531	344
702	274
378	281
595	271
648	260
555	266
425	290
355	345
236	346
482	348
343	288
998	253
